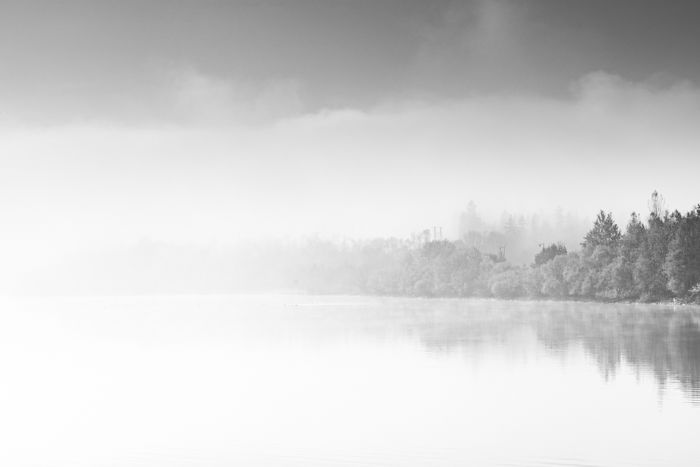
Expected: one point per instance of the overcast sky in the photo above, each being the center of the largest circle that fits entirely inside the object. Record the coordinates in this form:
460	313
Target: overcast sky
202	121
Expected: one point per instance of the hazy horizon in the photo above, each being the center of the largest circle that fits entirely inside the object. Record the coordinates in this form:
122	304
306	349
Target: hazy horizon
208	123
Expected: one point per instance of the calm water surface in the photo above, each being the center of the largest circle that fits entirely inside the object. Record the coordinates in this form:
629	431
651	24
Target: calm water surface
346	381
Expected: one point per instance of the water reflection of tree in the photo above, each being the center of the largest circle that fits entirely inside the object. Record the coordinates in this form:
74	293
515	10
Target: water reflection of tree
667	343
659	340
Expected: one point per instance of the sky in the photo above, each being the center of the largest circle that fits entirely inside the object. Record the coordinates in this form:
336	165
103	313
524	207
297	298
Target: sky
211	121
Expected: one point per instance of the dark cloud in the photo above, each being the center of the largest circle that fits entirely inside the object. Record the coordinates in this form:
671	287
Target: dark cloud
94	58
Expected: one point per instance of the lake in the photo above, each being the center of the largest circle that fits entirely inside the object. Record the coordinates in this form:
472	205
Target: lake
294	380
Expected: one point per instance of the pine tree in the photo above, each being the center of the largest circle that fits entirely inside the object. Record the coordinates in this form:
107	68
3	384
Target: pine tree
682	264
605	232
630	249
650	278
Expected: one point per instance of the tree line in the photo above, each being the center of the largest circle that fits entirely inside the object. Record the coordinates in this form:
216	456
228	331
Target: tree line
649	260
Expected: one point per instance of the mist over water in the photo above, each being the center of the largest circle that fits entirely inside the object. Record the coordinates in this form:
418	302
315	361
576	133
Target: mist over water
303	380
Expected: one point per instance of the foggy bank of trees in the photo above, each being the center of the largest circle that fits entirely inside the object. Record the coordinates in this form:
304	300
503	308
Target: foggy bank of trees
651	260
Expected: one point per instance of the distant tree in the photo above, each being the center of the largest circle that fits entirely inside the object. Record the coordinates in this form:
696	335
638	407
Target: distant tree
630	249
469	220
554	283
651	261
657	205
465	270
650	277
682	264
511	226
548	253
533	281
507	282
633	239
574	273
605	232
473	239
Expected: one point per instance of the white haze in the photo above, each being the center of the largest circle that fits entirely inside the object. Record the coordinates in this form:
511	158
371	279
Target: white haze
217	163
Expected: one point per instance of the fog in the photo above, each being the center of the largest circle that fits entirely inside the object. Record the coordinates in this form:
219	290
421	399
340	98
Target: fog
202	128
317	232
235	170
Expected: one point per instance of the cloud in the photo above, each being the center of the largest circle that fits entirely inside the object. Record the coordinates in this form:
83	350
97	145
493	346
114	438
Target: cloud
476	46
389	170
197	98
664	105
